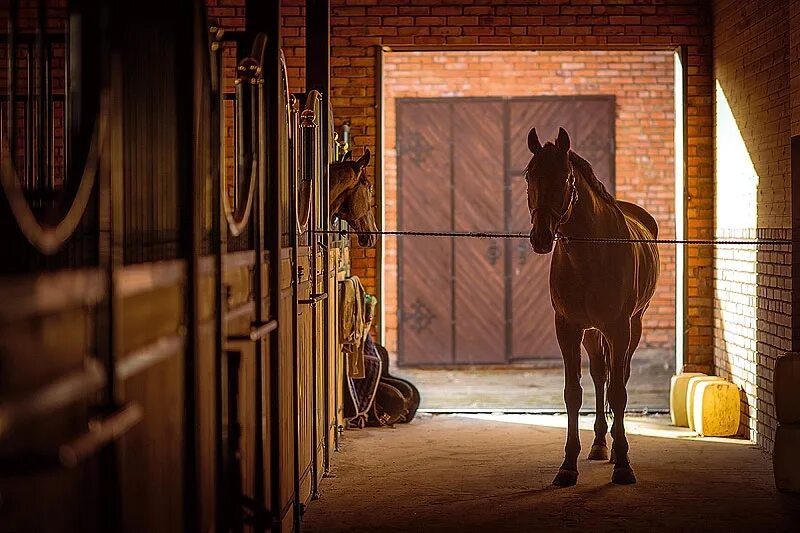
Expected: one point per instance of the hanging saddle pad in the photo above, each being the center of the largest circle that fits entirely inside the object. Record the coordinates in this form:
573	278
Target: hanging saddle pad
362	390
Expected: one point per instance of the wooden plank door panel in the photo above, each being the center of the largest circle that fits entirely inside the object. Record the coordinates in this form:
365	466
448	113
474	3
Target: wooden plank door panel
479	283
590	123
425	264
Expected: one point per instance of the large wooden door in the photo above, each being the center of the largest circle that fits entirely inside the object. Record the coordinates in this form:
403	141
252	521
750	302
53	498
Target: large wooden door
426	269
590	123
478	277
460	162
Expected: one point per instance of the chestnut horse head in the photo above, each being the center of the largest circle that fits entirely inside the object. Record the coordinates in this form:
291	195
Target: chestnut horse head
352	196
552	191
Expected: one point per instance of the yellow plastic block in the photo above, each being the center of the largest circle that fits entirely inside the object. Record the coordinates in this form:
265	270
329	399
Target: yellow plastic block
787	389
785	459
691	387
678	387
717	408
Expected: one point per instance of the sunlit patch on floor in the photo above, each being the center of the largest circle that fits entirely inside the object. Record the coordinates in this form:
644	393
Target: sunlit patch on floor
647	426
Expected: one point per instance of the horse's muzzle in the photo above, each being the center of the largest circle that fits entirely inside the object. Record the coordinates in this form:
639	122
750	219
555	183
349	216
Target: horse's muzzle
541	246
541	235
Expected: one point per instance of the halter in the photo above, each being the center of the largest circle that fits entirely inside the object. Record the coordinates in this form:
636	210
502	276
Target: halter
565	215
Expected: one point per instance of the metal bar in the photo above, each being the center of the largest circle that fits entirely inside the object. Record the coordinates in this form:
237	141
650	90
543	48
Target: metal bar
219	245
101	433
257	332
72	454
148	356
54	396
41	115
189	37
12	79
266	16
314	299
259	151
29	170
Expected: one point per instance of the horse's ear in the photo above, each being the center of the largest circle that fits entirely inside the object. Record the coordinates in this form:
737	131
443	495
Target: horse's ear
364	161
562	141
533	142
348	155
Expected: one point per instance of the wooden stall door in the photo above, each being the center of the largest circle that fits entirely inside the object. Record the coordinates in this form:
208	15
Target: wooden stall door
590	123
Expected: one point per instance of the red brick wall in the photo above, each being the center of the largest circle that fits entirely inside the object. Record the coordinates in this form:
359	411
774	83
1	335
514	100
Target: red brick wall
359	26
643	85
752	285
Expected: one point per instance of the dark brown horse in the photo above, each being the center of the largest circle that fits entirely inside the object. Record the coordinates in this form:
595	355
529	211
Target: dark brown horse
352	196
599	291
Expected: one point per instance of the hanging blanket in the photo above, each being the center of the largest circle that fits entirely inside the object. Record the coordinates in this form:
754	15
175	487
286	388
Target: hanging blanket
352	324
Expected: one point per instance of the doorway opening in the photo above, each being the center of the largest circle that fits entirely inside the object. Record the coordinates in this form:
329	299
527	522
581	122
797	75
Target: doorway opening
470	320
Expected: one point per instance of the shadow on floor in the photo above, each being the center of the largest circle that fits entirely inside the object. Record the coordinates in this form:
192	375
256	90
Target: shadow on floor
479	473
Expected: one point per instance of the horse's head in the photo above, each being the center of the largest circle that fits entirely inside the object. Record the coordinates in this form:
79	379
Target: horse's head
551	188
353	198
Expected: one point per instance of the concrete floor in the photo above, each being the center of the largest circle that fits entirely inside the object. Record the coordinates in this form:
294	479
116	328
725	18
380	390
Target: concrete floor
493	472
530	387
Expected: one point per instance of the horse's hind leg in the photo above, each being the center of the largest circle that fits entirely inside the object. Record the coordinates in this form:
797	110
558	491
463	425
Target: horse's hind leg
569	340
593	342
619	337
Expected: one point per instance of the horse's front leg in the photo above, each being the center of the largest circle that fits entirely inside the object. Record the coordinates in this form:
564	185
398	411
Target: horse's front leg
619	336
569	340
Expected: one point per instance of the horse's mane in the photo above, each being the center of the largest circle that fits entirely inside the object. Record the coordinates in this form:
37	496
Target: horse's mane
585	169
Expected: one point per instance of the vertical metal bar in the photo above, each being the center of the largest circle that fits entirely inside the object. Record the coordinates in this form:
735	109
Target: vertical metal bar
316	177
258	149
43	182
110	192
318	77
266	16
48	139
187	47
293	242
219	236
29	117
379	178
12	79
238	139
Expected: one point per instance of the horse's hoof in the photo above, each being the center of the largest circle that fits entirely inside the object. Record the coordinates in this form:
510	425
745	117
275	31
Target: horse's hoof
599	452
565	478
623	476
